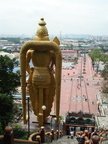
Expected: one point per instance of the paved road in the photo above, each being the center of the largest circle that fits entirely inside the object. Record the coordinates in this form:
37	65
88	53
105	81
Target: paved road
79	94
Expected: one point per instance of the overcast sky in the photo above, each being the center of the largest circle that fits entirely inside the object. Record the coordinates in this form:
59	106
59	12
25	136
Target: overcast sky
62	16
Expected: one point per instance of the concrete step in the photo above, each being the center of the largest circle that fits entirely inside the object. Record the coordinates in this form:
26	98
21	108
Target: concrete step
64	140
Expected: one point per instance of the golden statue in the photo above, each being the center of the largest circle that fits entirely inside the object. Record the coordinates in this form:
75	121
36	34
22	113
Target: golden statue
44	80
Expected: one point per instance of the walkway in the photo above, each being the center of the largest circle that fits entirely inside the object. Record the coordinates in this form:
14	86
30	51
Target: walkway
65	140
78	89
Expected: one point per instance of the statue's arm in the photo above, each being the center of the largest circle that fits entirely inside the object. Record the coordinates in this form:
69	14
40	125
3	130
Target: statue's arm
53	62
28	58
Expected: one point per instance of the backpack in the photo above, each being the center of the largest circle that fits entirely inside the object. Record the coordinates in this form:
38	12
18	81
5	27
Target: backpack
80	140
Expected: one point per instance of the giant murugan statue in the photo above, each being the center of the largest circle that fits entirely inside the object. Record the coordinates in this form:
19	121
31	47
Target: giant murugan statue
44	80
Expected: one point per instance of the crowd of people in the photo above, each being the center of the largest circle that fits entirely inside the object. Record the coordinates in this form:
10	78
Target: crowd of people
88	137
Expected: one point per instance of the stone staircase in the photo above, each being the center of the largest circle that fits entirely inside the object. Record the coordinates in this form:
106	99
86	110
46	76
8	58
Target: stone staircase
64	140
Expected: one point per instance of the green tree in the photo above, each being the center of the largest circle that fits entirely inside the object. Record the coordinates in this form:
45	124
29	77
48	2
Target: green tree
8	83
104	58
8	79
105	86
105	72
95	54
19	132
105	76
6	109
1	129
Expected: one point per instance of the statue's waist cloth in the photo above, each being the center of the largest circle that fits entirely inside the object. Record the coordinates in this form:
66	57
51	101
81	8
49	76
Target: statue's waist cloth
42	76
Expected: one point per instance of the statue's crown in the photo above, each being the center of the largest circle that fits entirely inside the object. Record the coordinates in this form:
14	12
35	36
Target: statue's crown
42	32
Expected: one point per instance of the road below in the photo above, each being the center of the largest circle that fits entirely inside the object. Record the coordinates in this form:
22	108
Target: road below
79	88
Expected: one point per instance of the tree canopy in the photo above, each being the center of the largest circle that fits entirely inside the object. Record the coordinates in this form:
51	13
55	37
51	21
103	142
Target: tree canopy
8	79
6	109
8	83
95	54
98	55
105	72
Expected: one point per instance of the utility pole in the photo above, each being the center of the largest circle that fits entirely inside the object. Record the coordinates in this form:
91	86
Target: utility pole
28	99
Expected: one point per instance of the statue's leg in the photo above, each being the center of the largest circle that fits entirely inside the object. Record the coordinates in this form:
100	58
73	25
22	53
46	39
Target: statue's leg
30	90
41	112
35	99
48	99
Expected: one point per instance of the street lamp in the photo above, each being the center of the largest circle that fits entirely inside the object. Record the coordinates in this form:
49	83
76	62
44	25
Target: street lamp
55	119
28	100
43	108
103	125
97	65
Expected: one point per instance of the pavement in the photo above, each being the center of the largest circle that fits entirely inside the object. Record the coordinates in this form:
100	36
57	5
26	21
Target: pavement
79	89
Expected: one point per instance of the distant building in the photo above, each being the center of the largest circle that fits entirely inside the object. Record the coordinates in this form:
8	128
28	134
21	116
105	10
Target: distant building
69	54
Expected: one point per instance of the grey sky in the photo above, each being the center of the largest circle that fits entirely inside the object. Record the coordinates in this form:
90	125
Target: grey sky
65	16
